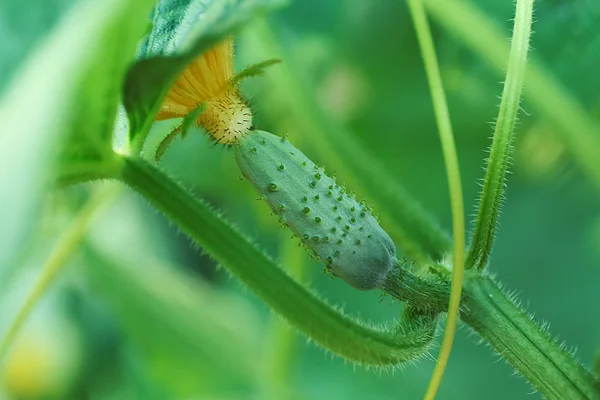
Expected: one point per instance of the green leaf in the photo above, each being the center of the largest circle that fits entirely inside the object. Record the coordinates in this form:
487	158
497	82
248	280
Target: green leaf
166	16
21	28
192	338
149	81
102	93
64	98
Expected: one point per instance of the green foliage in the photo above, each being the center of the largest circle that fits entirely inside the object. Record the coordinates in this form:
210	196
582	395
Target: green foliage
148	80
21	28
166	17
554	103
177	336
78	71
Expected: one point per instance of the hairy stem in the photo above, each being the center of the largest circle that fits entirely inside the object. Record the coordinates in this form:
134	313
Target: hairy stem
80	172
302	308
429	296
494	183
507	328
280	351
442	116
516	337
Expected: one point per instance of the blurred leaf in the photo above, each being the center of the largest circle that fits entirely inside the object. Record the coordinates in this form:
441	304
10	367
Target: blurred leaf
67	91
193	338
21	29
565	37
103	91
172	46
552	101
567	31
166	16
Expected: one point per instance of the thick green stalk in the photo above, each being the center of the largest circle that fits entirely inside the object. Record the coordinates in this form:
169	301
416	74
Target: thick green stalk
516	337
302	308
490	312
432	297
442	117
282	340
413	230
497	165
73	173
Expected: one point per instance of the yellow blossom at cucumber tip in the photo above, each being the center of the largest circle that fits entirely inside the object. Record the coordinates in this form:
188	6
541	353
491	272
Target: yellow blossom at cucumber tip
207	80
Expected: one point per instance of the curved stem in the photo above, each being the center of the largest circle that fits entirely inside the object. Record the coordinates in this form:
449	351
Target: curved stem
484	306
74	174
425	295
333	330
456	199
66	245
494	183
517	338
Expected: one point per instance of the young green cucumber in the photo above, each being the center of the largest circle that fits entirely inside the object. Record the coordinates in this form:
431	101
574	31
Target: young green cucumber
328	220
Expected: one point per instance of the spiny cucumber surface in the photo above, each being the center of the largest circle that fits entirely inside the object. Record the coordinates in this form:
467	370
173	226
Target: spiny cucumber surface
328	220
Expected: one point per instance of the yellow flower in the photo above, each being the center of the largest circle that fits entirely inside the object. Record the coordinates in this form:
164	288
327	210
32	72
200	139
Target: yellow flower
208	80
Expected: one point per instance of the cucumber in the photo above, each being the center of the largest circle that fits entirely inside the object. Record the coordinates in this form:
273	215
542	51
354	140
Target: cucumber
324	215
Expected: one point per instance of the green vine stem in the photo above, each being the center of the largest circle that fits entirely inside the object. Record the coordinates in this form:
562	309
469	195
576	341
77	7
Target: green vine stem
281	340
507	328
333	330
442	117
494	183
516	337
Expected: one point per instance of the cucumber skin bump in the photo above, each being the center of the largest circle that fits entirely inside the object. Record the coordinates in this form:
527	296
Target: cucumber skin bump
340	231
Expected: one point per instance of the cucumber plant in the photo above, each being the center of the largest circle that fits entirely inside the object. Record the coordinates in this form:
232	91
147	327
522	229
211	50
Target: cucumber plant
184	68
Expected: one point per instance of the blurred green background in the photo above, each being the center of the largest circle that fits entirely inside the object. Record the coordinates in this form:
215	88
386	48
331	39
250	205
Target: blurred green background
142	314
